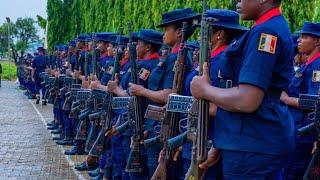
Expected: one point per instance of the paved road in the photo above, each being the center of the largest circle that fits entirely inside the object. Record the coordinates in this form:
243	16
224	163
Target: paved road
26	147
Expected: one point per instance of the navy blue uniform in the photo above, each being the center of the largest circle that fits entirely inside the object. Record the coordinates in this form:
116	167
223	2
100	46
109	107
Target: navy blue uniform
305	81
257	145
107	70
160	78
216	61
39	63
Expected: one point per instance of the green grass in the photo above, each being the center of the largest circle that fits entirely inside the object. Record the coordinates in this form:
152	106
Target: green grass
9	72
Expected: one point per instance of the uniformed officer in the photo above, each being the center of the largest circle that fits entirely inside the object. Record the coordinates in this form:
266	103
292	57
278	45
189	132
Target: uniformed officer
72	60
67	129
78	148
160	81
149	42
252	127
38	66
90	163
225	30
305	81
103	40
82	39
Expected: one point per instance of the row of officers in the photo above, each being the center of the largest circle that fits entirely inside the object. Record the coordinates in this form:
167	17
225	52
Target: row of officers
252	80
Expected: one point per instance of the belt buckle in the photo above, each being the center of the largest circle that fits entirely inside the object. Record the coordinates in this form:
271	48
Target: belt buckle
229	83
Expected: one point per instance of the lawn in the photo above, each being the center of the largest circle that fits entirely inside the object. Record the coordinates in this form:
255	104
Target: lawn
8	72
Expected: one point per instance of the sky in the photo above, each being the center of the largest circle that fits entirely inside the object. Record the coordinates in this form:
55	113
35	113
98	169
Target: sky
22	8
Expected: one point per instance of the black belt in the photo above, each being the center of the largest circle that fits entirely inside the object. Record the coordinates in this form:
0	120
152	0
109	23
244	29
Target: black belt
226	83
273	94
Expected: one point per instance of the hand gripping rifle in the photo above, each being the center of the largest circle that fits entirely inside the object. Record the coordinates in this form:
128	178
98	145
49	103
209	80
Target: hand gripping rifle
170	124
134	106
134	163
106	114
199	136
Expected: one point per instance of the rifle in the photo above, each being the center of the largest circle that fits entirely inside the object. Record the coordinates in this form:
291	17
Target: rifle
134	163
86	63
97	97
68	81
170	124
313	169
106	114
95	53
200	135
83	96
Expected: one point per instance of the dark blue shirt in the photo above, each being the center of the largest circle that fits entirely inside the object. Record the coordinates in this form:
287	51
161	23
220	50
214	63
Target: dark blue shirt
306	80
73	61
216	61
261	58
107	74
39	63
144	68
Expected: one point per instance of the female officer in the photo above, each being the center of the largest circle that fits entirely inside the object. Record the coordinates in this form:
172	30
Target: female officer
149	43
225	30
305	81
252	128
160	80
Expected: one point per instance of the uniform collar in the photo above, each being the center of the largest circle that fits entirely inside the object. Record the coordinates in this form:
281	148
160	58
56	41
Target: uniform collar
176	49
105	54
217	51
153	56
268	15
313	58
123	62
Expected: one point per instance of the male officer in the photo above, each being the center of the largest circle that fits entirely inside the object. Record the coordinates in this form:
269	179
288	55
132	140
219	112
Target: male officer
252	127
148	43
38	66
305	81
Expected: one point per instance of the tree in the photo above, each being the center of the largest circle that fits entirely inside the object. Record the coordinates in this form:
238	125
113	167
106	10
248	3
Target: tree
4	30
25	33
68	18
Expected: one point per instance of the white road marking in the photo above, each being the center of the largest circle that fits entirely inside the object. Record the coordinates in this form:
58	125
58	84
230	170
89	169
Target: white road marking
71	163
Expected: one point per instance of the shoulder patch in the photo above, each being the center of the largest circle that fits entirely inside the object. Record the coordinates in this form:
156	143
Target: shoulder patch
110	70
144	74
316	76
268	43
298	75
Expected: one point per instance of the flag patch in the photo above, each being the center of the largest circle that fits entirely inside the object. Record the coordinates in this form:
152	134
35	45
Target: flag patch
268	43
316	76
144	74
110	70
